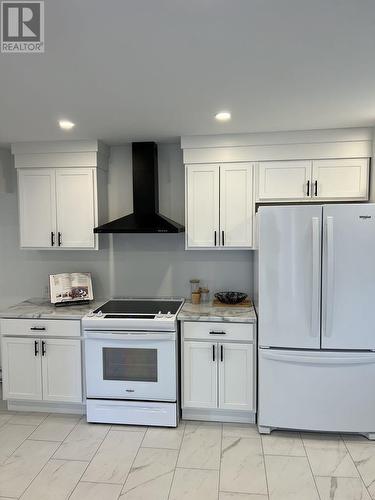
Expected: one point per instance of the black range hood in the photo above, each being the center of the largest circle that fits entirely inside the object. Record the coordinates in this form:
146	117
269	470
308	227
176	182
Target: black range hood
146	217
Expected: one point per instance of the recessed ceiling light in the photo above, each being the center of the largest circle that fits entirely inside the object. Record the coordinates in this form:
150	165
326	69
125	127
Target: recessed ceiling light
66	124
223	116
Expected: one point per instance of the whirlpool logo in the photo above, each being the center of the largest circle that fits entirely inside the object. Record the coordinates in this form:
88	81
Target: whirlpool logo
365	217
22	27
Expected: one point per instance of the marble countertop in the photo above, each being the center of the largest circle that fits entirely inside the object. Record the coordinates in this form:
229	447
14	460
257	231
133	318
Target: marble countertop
43	309
208	312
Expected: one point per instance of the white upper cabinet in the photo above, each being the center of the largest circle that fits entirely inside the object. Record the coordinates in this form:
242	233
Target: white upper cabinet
236	205
202	227
219	206
75	202
342	179
345	179
284	180
58	184
37	207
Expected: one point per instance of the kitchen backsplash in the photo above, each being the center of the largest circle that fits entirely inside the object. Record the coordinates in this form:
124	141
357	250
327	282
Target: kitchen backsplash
144	264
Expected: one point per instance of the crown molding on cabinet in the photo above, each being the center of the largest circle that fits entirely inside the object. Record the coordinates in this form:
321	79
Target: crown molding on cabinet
64	154
295	145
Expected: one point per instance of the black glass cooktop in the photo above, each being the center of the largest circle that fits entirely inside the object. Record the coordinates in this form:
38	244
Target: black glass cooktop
140	306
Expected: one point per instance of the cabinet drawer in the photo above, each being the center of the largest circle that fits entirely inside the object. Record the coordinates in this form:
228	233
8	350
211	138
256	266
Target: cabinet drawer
40	327
219	331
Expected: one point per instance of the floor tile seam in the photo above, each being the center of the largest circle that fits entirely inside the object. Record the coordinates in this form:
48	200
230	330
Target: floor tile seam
96	451
19	446
310	466
178	457
265	467
37	474
357	469
135	456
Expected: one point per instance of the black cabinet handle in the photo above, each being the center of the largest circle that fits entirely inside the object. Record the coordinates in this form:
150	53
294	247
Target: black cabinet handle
316	188
217	333
213	353
221	352
52	239
215	237
43	348
59	239
36	347
38	328
308	188
222	237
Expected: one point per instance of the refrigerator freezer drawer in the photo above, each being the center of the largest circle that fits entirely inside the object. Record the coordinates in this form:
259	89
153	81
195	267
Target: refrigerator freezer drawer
318	391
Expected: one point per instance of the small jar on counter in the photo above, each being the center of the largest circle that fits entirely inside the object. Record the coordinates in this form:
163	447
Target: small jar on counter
205	295
194	284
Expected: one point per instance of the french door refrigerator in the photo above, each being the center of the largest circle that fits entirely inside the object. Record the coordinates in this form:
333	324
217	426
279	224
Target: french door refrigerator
316	308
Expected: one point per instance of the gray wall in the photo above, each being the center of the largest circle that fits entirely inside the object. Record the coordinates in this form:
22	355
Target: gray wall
140	265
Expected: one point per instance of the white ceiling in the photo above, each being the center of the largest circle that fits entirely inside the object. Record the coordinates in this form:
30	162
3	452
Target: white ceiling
157	69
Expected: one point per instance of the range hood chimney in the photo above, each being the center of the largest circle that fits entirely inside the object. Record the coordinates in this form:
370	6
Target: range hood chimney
146	217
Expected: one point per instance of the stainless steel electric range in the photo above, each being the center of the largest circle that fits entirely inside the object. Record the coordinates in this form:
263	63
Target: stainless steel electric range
131	362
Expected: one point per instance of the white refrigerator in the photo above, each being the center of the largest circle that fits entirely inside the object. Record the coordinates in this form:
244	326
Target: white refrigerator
316	312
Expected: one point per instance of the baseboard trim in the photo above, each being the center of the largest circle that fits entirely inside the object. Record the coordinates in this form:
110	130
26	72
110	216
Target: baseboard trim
232	416
74	408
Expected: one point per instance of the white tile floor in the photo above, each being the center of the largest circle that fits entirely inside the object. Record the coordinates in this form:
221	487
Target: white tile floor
57	457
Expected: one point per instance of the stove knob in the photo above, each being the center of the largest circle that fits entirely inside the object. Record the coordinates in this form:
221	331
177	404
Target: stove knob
169	315
99	313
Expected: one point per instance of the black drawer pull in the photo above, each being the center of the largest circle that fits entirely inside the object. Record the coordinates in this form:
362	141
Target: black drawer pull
36	347
308	188
43	348
221	352
213	352
217	333
38	328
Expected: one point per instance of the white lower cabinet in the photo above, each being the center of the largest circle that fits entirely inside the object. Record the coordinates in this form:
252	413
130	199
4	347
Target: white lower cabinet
22	369
61	370
236	379
42	369
218	377
200	375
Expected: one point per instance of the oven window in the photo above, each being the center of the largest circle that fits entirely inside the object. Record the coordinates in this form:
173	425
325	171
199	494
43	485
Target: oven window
135	365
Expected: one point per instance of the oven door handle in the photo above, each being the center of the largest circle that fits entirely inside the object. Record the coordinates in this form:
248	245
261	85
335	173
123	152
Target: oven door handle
129	336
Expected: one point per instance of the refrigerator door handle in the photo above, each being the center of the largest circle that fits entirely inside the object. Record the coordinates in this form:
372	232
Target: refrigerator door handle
315	312
364	358
330	277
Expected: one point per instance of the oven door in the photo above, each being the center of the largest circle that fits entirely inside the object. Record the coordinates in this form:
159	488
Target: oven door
131	366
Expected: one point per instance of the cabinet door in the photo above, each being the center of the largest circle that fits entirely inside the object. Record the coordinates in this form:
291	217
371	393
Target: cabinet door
76	207
21	368
284	180
236	205
236	377
200	375
61	370
202	206
345	179
37	207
